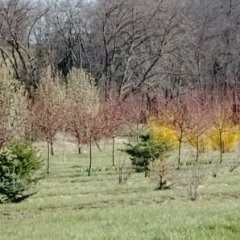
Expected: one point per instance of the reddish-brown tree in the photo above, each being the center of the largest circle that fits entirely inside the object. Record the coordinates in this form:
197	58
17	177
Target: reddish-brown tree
112	114
223	125
198	120
92	126
83	101
75	123
236	119
48	110
173	113
136	114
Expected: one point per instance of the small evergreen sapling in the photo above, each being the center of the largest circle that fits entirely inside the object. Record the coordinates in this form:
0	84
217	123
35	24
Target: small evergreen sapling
145	152
19	171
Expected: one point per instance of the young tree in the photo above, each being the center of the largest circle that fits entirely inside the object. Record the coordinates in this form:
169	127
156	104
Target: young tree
19	171
172	114
136	113
199	121
236	121
194	176
83	99
223	134
160	171
146	152
13	106
92	133
83	109
112	113
48	109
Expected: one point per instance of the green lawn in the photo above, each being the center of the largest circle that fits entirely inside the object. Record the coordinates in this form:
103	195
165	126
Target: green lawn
69	205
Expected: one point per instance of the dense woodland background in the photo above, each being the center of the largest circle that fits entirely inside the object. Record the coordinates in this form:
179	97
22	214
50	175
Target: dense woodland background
157	47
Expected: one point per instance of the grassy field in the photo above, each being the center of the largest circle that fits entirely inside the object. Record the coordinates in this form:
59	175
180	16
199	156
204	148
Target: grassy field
70	205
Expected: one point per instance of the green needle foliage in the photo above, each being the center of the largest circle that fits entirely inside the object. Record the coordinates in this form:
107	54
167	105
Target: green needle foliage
146	151
19	171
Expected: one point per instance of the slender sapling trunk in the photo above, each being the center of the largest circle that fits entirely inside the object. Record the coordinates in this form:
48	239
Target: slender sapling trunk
197	149
52	152
179	152
221	147
90	156
48	157
79	147
113	151
98	146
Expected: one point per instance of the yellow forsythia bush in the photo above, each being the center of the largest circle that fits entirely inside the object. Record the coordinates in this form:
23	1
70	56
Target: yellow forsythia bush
164	133
202	142
229	136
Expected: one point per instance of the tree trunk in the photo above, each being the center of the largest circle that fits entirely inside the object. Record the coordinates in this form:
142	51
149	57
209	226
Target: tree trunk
145	173
179	153
98	146
113	151
238	164
120	176
161	183
90	157
197	149
52	152
221	148
137	131
79	150
79	147
48	157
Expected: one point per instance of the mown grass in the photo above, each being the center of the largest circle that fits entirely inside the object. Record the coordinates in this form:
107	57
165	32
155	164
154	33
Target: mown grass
71	205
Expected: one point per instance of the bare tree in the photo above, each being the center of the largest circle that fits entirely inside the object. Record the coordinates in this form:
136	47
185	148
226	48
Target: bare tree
199	120
18	21
173	113
222	123
194	176
160	171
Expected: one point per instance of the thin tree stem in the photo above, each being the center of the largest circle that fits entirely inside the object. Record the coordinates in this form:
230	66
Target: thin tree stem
90	157
113	151
48	157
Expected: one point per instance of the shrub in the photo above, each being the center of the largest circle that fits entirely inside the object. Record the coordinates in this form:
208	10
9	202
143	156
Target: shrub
19	171
124	171
145	152
225	140
201	143
194	177
160	172
162	133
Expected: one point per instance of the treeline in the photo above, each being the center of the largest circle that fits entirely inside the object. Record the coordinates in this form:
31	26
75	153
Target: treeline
75	107
204	119
156	47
